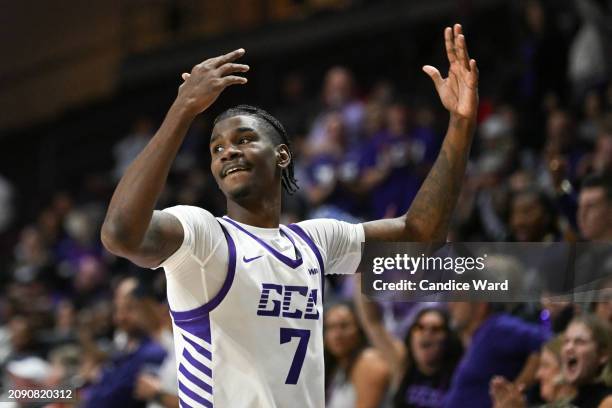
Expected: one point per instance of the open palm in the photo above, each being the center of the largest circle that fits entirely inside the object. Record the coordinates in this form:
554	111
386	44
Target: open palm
459	91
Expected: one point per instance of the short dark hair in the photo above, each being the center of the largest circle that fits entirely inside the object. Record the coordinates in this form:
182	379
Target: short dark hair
599	180
278	135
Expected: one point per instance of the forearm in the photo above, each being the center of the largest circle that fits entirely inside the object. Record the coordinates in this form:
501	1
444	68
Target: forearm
370	316
131	207
428	217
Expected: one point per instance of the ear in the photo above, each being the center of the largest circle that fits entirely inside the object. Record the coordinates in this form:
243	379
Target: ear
283	156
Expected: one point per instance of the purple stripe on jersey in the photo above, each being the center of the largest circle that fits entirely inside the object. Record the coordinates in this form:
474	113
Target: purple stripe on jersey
183	403
199	348
201	367
179	317
198	326
292	263
306	238
194	396
195	380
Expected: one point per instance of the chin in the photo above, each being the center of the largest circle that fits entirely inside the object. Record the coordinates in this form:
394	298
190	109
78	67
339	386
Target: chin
240	192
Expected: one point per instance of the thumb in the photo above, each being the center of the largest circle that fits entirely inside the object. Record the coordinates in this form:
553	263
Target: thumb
185	75
434	74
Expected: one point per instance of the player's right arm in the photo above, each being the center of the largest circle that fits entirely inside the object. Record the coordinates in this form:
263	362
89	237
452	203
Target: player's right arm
132	229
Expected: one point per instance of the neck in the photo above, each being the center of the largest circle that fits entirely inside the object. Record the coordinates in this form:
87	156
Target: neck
467	334
260	213
344	362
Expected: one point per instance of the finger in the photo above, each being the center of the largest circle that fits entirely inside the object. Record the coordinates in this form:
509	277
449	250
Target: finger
461	49
448	43
434	74
457	30
475	72
185	75
233	80
230	68
224	59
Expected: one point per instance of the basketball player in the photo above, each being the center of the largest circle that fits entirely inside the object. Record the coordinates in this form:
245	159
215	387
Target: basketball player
245	292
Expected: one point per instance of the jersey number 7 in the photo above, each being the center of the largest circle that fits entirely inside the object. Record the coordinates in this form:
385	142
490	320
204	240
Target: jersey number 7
286	335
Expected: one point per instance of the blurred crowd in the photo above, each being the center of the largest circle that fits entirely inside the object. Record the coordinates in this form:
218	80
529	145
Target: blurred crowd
73	316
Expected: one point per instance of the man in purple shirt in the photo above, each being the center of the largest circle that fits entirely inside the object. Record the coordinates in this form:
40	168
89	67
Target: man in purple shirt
115	384
496	343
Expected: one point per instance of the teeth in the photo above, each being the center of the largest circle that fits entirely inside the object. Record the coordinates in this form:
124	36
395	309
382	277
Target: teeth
230	171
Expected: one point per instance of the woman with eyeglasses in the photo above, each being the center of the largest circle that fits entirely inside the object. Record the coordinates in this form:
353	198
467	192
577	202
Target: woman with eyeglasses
423	364
587	361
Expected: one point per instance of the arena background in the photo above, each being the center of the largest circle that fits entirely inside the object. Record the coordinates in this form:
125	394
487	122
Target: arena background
85	84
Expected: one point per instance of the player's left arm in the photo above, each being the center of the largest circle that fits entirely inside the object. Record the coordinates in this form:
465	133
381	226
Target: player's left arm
428	217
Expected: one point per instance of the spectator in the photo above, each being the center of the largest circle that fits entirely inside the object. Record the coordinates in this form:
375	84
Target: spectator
554	390
602	156
595	208
394	161
496	344
338	96
423	363
158	388
533	218
355	375
587	362
126	150
117	379
331	173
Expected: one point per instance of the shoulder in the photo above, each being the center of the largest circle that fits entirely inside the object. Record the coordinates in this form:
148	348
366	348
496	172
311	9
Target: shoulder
371	364
515	330
607	402
189	212
513	324
195	220
326	227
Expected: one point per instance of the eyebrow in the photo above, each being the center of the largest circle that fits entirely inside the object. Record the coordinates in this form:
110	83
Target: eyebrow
242	129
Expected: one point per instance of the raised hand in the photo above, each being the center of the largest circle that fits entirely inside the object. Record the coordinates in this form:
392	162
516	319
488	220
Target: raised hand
459	91
208	79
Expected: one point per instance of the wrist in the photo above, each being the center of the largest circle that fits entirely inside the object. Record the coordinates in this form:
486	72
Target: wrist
184	109
459	121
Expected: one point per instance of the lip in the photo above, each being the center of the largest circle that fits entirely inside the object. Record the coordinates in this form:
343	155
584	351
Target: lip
232	167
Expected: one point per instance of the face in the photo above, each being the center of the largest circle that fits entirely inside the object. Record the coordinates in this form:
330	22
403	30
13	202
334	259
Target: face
528	218
602	160
341	331
126	315
245	162
594	213
461	314
338	87
603	307
548	372
581	359
427	338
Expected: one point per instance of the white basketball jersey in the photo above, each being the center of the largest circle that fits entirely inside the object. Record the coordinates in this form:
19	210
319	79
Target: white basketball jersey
258	342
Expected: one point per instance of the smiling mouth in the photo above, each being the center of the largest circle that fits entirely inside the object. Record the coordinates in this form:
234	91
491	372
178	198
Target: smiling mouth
234	170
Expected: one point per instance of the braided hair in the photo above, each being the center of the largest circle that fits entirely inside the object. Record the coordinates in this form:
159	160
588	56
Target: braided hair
278	136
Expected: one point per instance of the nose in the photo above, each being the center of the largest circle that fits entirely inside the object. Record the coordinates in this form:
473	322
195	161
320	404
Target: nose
230	153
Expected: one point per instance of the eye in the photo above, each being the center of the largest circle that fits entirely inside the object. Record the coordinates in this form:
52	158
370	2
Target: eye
244	140
217	149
